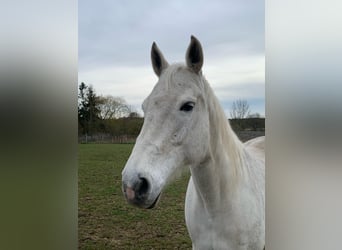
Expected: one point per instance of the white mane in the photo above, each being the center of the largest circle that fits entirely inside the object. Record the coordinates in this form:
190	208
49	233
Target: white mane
222	135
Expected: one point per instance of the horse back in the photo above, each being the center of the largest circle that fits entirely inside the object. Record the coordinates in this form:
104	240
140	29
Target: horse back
257	147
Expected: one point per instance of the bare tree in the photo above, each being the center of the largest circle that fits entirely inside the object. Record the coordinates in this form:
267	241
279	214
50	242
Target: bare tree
113	107
240	109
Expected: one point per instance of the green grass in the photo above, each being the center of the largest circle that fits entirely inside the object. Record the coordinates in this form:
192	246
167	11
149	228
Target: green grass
106	221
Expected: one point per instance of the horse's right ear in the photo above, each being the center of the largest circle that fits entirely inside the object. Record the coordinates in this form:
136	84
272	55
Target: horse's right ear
158	61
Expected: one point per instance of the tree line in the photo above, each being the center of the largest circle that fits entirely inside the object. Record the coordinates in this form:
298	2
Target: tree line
105	114
98	114
243	119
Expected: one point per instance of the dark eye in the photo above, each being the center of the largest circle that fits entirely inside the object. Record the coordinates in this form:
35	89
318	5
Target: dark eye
188	106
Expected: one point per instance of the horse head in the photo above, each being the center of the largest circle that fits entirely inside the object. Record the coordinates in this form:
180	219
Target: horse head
175	132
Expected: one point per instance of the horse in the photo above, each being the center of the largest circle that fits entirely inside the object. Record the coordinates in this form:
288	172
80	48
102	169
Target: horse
185	127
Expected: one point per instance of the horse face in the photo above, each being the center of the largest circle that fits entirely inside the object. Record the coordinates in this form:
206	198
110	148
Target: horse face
174	133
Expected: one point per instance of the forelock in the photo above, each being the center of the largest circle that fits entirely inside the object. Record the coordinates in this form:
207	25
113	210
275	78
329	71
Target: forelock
181	74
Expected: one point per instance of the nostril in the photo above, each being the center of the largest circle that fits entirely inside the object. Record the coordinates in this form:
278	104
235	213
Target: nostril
143	186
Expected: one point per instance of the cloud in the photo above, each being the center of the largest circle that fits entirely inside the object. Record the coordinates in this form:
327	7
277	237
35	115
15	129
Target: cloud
115	39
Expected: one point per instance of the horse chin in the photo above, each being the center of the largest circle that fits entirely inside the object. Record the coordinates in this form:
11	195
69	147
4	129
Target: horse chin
155	202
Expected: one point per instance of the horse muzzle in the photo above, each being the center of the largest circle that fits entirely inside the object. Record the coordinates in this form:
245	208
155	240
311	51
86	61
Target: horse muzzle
138	193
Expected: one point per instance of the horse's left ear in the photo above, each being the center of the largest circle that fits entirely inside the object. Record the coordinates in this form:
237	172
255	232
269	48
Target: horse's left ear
194	55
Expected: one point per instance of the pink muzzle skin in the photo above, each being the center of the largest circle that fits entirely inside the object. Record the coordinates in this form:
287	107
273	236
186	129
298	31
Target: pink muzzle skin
130	194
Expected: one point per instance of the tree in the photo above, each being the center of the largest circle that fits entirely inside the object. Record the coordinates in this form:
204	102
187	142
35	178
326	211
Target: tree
82	108
113	107
240	109
88	110
93	109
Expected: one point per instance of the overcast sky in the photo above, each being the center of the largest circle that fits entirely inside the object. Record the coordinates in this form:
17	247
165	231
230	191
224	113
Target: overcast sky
115	39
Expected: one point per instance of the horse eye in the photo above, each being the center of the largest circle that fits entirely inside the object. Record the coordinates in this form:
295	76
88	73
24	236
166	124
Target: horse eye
188	106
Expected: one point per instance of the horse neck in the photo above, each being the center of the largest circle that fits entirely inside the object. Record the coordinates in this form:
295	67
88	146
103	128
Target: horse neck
218	176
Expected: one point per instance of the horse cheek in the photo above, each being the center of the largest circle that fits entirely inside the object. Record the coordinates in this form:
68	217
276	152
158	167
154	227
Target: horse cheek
198	146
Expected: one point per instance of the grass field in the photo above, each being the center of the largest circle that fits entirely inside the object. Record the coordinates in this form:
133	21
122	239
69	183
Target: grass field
106	221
